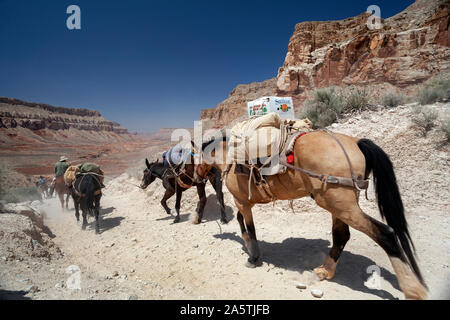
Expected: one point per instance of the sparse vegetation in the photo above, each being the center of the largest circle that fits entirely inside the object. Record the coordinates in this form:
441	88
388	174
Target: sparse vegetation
325	108
392	100
435	91
356	100
1	179
21	194
15	194
424	118
445	128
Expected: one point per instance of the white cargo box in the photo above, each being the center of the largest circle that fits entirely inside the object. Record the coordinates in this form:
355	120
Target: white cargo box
264	105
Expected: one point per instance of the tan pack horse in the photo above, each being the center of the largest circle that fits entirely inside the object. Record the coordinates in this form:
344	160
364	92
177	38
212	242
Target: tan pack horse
320	153
61	190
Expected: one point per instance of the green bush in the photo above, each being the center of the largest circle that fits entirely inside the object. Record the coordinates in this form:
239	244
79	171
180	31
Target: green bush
425	118
356	100
438	90
325	108
392	100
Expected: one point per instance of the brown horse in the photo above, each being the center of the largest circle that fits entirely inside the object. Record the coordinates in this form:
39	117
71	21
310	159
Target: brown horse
61	190
319	152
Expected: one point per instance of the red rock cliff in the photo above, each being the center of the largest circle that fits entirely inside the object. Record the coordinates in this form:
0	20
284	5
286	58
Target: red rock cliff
409	48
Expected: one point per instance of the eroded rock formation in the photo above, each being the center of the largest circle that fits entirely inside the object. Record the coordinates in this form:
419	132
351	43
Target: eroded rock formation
408	49
34	116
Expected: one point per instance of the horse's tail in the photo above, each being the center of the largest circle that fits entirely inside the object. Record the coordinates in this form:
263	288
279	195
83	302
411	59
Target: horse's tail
389	199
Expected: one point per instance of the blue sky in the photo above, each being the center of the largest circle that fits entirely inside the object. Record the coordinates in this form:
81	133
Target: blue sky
152	64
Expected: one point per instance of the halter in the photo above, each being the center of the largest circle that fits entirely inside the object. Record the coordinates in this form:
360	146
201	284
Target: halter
182	172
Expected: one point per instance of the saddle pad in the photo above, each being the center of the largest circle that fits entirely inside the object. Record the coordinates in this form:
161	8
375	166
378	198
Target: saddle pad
261	139
255	138
70	175
89	167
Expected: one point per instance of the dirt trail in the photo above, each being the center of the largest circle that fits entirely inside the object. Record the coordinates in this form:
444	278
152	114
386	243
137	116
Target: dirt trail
141	252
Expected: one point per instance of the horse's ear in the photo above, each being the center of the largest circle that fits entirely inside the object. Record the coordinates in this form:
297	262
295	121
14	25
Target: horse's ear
147	163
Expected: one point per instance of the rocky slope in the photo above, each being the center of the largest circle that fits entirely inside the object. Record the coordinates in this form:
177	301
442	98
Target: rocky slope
408	49
236	103
34	135
36	116
141	253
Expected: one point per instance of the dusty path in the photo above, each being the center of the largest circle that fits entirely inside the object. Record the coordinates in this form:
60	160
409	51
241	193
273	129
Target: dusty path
141	252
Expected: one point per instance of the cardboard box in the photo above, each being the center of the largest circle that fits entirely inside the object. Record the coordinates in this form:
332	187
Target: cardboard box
283	106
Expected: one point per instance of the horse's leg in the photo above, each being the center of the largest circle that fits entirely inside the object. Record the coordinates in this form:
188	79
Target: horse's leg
341	234
344	206
216	181
84	211
61	199
169	193
202	202
249	236
244	233
97	213
84	214
76	204
67	200
178	205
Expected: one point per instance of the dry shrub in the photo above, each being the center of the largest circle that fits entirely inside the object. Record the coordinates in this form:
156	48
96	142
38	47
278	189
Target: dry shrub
325	108
435	91
356	100
445	128
392	100
425	119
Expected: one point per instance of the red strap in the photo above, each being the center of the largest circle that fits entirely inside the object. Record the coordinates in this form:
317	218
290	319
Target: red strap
290	156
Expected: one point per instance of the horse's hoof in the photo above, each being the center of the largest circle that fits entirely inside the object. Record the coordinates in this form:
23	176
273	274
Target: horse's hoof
176	220
323	273
250	265
83	227
223	221
196	220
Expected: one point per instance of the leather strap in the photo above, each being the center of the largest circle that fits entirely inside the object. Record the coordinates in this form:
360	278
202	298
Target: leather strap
348	182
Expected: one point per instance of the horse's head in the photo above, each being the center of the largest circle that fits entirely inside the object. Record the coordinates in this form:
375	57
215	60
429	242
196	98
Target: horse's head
148	177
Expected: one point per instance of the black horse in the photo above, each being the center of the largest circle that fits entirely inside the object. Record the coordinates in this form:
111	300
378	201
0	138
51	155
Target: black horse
86	192
176	183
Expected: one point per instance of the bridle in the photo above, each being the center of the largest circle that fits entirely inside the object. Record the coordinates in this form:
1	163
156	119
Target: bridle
150	170
181	171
